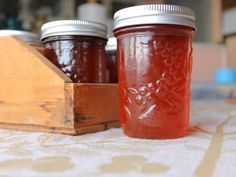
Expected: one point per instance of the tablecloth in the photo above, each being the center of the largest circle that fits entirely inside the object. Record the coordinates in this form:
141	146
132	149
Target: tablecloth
209	150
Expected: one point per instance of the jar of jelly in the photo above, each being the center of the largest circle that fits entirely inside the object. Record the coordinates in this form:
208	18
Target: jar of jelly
77	48
28	37
111	59
155	62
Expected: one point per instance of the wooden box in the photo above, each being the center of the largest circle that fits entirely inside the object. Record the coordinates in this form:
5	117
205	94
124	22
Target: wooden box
36	96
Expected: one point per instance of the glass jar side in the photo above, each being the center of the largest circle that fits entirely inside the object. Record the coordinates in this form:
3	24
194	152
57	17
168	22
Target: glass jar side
82	58
155	64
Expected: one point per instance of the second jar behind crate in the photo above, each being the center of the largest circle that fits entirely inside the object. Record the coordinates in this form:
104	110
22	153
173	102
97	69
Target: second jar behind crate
111	58
77	48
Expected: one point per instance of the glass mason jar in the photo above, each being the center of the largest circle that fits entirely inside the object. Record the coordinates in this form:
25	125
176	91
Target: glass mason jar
111	59
155	63
77	48
28	37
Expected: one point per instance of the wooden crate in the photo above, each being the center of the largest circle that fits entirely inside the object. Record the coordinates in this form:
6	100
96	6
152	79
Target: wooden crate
36	96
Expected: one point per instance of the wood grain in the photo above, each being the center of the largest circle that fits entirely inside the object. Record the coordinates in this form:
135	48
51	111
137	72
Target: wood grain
32	89
115	124
68	131
93	103
40	49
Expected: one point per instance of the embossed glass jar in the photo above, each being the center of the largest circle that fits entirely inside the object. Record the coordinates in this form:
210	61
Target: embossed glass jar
155	61
77	48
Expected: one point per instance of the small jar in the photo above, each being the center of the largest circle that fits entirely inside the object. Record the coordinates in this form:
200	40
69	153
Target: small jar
77	48
111	49
30	38
155	63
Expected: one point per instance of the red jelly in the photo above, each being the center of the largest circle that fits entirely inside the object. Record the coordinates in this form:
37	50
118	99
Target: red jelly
77	48
155	61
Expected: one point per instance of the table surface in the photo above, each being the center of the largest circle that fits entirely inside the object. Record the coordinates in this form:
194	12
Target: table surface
209	150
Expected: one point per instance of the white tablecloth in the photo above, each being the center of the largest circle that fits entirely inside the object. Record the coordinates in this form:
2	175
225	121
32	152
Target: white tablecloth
208	150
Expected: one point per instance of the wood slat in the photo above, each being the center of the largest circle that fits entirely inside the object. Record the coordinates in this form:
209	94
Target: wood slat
36	96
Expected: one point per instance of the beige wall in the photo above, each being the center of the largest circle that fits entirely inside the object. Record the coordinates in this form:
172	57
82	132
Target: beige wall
206	59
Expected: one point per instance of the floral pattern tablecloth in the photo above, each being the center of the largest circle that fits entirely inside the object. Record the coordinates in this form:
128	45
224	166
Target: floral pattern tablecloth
209	150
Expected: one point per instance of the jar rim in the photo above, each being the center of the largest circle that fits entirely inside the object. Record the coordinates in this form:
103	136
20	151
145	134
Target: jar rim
73	27
155	14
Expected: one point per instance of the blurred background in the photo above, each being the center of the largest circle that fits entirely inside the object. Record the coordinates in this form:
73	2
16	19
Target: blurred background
214	44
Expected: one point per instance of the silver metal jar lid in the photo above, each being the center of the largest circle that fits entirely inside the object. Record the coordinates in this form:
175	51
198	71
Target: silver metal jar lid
31	38
154	14
111	44
73	27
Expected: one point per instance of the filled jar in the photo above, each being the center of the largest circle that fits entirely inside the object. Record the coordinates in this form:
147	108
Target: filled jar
28	37
155	63
77	48
112	71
